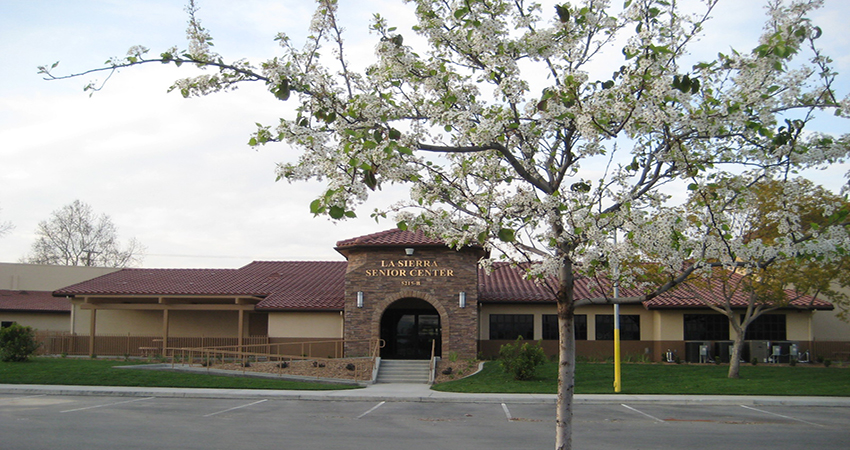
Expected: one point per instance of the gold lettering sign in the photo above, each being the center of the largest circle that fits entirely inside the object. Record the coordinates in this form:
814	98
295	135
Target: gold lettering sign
410	268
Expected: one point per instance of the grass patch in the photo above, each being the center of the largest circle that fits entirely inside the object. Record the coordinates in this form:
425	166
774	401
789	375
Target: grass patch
684	379
98	372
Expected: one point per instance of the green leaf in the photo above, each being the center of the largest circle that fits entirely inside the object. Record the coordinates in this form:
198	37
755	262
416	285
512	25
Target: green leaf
316	206
507	235
336	212
402	225
281	90
563	13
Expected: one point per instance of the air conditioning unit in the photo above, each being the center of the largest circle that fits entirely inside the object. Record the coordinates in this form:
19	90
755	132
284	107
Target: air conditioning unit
723	351
759	350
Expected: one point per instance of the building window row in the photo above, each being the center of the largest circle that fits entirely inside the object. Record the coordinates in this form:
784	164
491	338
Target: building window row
715	327
512	326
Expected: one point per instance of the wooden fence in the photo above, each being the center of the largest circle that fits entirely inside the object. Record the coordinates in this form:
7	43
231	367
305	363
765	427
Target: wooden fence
127	345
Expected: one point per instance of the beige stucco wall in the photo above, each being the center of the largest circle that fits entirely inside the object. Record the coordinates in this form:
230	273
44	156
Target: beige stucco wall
149	323
797	325
35	277
538	310
39	321
306	324
826	326
668	325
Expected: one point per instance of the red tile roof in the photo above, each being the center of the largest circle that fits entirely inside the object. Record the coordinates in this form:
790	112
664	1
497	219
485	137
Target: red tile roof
305	285
320	285
696	297
508	284
394	237
152	282
34	301
281	284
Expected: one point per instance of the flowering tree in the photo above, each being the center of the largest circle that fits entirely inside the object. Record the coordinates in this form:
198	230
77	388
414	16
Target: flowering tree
537	132
758	245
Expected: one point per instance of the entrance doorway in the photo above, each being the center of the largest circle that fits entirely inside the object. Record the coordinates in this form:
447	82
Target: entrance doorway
408	327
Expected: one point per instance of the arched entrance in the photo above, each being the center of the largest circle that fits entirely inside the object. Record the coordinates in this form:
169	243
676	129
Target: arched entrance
409	326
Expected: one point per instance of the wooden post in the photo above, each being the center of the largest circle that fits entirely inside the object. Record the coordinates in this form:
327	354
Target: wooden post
241	328
164	331
92	328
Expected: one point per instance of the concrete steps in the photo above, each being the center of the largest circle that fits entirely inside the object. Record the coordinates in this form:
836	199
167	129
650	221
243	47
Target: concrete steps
404	371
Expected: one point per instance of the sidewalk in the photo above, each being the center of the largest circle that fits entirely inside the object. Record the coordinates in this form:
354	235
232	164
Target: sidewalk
415	393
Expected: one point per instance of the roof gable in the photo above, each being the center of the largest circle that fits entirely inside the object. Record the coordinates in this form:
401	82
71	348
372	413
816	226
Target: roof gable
393	237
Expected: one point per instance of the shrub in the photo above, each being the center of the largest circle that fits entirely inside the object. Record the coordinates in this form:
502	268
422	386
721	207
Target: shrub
521	359
17	343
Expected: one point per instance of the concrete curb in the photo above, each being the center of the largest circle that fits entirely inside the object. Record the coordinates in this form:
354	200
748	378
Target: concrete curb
417	393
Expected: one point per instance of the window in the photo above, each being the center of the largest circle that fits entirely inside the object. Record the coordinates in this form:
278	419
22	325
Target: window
6	324
629	327
511	326
768	327
550	326
706	327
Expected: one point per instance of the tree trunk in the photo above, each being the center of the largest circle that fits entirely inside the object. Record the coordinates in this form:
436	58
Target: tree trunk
735	358
566	359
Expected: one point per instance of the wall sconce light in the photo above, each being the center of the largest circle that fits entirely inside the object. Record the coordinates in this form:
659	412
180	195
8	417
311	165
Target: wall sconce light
408	251
359	299
461	299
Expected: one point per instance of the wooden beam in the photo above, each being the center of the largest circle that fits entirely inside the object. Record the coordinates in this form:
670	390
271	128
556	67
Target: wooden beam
161	307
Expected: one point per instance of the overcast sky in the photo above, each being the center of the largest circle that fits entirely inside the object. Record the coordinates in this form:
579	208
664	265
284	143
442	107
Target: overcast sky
177	174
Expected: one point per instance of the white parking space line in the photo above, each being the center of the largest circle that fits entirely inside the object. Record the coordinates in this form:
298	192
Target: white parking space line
235	408
783	416
108	404
641	412
373	408
507	412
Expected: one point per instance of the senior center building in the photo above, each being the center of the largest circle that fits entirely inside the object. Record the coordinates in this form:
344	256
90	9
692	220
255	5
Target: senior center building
413	294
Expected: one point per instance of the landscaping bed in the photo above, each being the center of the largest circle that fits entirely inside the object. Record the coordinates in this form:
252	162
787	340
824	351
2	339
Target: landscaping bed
355	369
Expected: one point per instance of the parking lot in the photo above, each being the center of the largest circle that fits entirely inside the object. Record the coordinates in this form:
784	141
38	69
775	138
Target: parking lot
110	422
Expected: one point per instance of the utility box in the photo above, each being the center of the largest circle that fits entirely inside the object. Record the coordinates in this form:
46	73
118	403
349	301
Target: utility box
783	351
694	351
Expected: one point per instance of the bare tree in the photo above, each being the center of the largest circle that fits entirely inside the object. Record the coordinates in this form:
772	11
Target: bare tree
75	236
5	227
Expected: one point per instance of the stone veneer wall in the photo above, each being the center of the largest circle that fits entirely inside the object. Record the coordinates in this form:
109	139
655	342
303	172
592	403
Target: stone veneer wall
385	275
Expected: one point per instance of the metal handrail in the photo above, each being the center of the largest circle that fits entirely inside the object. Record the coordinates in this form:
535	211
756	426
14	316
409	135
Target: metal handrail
432	366
209	354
